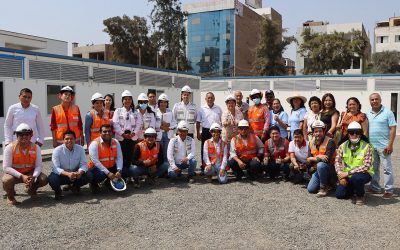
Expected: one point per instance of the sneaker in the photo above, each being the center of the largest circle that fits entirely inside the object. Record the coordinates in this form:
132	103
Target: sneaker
150	180
322	192
191	179
67	187
136	183
360	200
387	195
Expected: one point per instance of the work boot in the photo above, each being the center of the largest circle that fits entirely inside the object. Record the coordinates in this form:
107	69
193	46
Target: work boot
360	200
58	195
322	192
209	178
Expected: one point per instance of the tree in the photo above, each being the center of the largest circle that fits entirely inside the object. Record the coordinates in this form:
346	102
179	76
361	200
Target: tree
326	52
386	62
168	19
268	53
131	41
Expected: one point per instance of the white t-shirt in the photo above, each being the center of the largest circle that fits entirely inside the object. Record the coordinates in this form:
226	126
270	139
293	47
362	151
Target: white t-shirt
300	153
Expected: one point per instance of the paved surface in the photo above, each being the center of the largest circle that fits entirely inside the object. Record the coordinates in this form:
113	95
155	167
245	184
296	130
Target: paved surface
246	215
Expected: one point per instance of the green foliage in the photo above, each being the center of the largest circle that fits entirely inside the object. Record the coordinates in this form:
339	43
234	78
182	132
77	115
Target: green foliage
326	52
387	62
268	54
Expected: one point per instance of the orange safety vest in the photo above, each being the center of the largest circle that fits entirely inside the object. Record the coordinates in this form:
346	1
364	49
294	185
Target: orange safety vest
24	163
97	122
107	155
246	152
149	154
257	119
322	149
212	152
64	123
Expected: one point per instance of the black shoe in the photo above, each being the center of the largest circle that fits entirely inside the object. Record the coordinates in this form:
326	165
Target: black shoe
75	190
94	188
190	179
202	172
58	195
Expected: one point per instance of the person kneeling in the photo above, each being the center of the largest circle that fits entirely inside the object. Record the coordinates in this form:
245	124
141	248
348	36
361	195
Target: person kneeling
105	159
276	156
353	165
22	164
69	166
246	150
215	155
181	153
148	158
298	151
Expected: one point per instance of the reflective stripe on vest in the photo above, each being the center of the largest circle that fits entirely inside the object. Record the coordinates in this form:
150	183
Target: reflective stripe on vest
257	119
64	123
107	155
149	154
322	149
271	147
246	152
355	159
23	163
97	122
212	152
188	145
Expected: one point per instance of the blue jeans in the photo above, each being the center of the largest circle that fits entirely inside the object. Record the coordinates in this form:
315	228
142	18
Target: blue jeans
136	171
355	186
95	175
386	161
56	181
164	145
321	177
191	167
215	171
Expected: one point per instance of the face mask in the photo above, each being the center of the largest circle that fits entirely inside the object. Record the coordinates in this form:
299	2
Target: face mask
355	141
256	101
143	106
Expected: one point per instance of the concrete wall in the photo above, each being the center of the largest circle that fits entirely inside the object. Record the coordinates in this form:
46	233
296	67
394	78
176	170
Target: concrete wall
391	32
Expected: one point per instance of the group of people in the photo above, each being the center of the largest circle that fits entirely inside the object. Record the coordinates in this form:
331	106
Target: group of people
321	147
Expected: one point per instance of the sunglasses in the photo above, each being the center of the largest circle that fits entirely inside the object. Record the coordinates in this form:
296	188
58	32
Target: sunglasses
355	132
143	102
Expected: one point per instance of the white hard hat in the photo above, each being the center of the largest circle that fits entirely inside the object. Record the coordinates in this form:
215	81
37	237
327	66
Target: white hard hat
23	127
150	131
142	97
255	91
97	97
182	125
67	89
186	88
230	98
243	123
118	184
318	124
126	93
354	126
163	97
215	126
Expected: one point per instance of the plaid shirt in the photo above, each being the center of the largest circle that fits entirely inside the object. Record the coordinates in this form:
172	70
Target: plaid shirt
339	164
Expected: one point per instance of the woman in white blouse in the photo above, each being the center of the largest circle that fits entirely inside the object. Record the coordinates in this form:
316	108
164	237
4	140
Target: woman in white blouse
147	115
165	123
315	105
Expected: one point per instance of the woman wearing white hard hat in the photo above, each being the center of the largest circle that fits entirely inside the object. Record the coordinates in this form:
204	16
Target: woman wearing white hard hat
230	119
296	117
96	117
215	155
165	123
185	110
147	115
127	124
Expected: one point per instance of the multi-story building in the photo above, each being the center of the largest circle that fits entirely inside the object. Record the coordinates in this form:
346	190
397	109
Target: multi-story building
290	66
101	52
222	36
357	64
387	35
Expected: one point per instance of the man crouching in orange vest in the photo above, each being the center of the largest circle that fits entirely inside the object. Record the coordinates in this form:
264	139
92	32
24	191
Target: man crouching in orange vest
22	164
66	116
259	116
105	158
245	153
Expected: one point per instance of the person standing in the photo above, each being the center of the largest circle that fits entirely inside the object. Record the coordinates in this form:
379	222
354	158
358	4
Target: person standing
296	118
151	96
66	116
279	117
69	166
315	105
22	164
230	120
259	116
185	110
165	123
24	112
269	98
207	115
243	106
109	105
96	117
382	132
147	115
329	114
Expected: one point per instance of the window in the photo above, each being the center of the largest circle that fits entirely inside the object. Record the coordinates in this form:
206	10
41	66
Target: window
1	100
196	21
226	36
397	38
382	39
52	96
393	104
206	58
356	63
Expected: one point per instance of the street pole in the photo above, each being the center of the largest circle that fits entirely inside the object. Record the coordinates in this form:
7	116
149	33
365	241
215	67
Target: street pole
140	57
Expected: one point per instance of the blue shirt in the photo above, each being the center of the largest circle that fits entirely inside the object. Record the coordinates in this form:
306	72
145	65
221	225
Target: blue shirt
284	117
295	118
379	127
67	160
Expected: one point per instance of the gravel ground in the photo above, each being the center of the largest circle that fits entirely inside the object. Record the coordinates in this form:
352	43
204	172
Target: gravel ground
245	215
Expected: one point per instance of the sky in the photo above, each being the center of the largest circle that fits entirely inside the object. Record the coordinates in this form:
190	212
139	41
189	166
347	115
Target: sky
82	21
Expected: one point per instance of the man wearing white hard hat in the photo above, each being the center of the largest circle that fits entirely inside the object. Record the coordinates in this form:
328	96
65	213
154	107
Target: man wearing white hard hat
321	158
147	115
96	117
66	116
246	151
353	165
22	163
259	116
148	158
206	116
216	155
185	110
127	124
182	153
165	123
24	112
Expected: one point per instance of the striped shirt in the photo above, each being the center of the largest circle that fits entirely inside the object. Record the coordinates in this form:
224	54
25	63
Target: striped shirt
379	127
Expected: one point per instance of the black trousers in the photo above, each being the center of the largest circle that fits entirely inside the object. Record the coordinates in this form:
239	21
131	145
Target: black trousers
253	167
205	135
127	147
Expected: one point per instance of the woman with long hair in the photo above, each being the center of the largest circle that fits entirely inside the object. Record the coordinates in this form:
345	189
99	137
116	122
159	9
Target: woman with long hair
353	114
315	105
279	117
329	114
